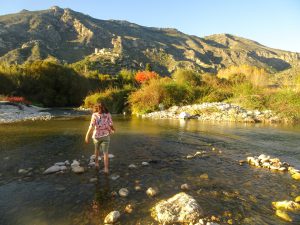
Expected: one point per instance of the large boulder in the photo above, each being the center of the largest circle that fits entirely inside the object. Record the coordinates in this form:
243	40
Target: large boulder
181	208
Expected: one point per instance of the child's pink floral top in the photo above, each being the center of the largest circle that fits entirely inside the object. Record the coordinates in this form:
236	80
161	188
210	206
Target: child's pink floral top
102	124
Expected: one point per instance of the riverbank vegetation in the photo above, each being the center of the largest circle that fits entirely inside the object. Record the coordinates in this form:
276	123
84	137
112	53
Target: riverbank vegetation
54	85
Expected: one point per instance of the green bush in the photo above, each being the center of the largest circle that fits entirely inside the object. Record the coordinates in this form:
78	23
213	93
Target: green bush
249	96
115	99
48	83
286	102
159	91
187	77
6	84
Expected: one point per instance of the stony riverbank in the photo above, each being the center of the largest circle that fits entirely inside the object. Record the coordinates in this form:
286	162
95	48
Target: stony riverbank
16	112
216	111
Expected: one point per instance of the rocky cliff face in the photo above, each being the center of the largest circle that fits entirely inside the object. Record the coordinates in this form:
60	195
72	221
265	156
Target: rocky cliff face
72	37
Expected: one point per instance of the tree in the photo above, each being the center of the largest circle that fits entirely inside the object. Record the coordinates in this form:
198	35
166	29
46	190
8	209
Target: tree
143	76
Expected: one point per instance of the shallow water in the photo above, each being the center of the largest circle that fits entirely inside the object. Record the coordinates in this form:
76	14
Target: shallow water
241	193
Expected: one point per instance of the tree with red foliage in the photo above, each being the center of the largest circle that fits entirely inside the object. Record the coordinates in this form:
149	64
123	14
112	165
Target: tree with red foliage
143	76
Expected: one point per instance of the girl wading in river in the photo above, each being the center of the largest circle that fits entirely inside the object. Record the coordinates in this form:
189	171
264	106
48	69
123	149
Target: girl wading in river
102	126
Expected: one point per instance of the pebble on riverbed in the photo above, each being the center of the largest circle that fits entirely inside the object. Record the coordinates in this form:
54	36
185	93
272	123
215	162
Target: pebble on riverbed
123	192
185	187
152	191
129	208
132	166
112	217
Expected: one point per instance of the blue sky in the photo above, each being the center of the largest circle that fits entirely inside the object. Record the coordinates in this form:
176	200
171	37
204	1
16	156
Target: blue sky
274	23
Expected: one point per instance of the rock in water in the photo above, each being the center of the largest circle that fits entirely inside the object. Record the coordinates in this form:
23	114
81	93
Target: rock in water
60	164
112	217
114	176
129	208
22	171
287	205
181	208
52	169
151	192
123	192
94	179
283	215
296	176
77	169
204	176
184	115
145	164
75	163
132	166
185	187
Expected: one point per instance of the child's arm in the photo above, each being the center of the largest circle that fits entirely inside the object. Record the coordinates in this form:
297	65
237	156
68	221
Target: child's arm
88	133
91	128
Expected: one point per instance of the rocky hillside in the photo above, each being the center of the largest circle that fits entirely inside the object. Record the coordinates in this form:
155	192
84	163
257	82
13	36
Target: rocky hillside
109	45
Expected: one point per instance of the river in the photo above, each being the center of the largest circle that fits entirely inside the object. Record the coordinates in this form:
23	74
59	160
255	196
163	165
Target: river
240	193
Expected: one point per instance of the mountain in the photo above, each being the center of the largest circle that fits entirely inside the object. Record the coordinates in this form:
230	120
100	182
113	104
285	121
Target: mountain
109	45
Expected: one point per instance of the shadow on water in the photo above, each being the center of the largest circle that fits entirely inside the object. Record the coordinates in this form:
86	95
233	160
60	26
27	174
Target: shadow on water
241	193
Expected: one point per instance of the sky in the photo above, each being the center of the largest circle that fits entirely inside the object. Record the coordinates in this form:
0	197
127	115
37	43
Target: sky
274	23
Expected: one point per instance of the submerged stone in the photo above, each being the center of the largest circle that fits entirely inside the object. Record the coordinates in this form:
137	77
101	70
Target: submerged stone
132	166
123	192
145	164
185	187
152	191
129	208
112	217
204	176
181	208
22	171
114	176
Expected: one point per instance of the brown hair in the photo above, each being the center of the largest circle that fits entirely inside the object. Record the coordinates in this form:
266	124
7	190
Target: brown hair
100	108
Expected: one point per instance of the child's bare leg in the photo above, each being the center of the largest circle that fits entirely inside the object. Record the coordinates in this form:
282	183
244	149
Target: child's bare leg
106	162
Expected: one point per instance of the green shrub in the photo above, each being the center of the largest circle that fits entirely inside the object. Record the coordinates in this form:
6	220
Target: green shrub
249	96
245	73
159	91
114	99
148	97
6	84
286	102
187	77
48	83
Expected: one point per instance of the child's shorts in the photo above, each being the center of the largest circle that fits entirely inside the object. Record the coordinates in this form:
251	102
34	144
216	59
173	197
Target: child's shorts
102	143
